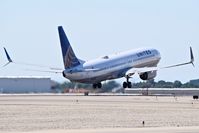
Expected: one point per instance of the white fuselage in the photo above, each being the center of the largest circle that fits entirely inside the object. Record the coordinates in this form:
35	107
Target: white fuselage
113	66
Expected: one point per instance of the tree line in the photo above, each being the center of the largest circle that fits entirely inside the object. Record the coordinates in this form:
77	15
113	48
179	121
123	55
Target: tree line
110	85
165	84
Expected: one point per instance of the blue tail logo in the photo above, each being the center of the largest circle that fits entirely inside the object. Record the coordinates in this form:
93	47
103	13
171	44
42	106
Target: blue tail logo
69	58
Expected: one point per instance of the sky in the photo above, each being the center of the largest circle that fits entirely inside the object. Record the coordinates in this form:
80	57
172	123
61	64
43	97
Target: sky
28	29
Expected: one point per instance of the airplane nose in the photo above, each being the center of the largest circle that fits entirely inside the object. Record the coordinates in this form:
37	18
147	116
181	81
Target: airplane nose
158	55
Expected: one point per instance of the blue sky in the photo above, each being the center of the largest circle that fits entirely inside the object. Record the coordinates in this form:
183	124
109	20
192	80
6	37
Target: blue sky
28	29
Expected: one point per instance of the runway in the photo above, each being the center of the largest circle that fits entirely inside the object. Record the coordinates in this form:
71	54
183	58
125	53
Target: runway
94	114
127	130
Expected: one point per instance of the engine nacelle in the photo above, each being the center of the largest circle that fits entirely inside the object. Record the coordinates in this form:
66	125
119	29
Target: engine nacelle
63	74
148	75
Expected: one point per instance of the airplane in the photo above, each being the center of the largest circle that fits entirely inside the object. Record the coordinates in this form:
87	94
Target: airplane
142	61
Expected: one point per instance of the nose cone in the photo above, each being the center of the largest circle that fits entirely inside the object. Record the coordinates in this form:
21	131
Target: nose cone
158	54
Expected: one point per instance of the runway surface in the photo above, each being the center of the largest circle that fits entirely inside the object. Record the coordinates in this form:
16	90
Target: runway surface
94	114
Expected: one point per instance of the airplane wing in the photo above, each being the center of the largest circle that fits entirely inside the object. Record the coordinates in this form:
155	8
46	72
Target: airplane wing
28	64
45	71
52	69
132	71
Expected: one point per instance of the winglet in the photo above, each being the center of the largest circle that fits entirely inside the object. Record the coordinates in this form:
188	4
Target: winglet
192	57
8	58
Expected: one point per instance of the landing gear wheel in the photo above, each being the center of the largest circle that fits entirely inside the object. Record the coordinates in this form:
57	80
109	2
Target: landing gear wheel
94	86
97	85
129	85
125	84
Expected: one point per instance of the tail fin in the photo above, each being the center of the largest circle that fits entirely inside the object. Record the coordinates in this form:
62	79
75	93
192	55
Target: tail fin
69	58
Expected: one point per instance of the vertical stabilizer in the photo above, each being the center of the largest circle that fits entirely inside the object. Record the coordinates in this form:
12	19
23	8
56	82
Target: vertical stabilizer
69	58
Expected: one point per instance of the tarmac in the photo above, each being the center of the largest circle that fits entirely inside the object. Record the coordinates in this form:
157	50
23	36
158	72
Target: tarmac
98	114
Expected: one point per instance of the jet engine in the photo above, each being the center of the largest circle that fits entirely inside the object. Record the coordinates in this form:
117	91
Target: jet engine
148	75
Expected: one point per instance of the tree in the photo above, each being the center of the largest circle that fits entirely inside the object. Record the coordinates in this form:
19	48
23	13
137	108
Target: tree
177	84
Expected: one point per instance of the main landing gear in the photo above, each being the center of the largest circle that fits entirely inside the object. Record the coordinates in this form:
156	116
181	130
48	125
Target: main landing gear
97	85
127	84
